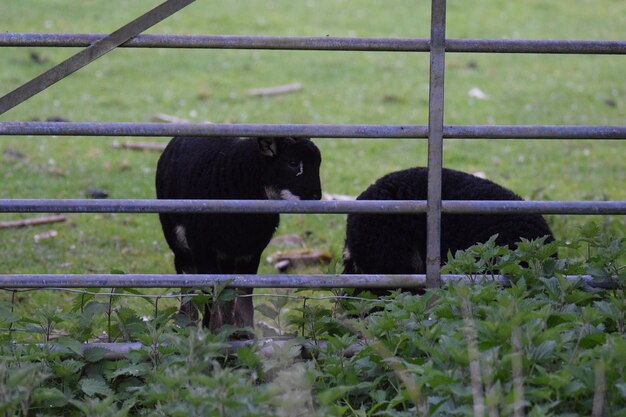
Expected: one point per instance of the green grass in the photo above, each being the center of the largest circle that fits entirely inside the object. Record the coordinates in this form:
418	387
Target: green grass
351	87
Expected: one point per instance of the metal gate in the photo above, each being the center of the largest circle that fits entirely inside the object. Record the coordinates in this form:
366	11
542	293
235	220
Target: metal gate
438	46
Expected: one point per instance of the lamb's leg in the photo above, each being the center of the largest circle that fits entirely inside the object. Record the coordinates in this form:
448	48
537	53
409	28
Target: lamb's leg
244	307
184	265
219	314
183	258
239	312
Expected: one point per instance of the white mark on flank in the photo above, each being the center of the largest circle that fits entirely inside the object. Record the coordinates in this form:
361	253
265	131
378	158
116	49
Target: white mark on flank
181	237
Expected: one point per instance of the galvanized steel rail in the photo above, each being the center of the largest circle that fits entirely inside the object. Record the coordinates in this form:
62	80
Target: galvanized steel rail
311	130
319	43
435	141
307	207
319	281
436	131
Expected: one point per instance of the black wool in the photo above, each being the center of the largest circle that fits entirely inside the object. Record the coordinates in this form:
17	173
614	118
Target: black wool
396	244
226	169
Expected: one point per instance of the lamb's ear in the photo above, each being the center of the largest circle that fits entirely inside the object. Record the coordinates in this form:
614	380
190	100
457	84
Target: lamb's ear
268	146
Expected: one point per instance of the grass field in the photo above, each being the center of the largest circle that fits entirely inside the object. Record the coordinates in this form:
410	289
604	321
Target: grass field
352	87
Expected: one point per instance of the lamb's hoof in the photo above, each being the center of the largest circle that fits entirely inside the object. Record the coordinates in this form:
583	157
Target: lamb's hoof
189	310
242	334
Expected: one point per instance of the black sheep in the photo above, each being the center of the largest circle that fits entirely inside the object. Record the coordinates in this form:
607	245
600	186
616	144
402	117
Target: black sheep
230	168
396	244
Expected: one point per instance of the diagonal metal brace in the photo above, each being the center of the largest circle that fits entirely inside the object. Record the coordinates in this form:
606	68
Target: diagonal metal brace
91	53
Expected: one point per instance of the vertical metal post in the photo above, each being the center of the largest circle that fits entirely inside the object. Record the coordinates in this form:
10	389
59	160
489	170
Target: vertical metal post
435	142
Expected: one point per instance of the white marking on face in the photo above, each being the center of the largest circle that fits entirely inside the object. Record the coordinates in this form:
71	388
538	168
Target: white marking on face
288	195
301	171
272	193
181	237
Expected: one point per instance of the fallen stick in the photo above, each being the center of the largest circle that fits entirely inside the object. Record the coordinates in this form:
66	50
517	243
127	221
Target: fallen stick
167	118
162	117
32	221
272	91
141	146
338	197
267	347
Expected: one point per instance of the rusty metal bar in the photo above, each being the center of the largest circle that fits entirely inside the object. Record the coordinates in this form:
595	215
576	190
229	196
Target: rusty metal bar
309	130
52	281
327	43
90	54
308	207
435	141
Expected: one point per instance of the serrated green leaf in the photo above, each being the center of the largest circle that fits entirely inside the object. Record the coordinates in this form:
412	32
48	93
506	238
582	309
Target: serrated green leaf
590	230
139	369
92	387
544	350
248	357
95	354
592	340
597	272
49	397
573	388
279	302
329	396
266	310
66	368
70	343
7	316
92	308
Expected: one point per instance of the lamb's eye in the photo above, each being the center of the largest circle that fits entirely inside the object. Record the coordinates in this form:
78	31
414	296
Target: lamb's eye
294	164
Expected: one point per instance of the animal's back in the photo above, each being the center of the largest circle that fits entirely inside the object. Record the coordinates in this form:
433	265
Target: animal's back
216	167
396	244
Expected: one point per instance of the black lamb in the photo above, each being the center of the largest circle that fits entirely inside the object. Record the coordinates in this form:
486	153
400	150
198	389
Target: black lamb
230	168
396	244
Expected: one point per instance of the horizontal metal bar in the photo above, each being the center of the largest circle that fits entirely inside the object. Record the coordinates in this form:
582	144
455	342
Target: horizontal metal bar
320	43
239	281
534	46
209	129
543	207
291	206
206	206
53	281
310	130
222	42
534	132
